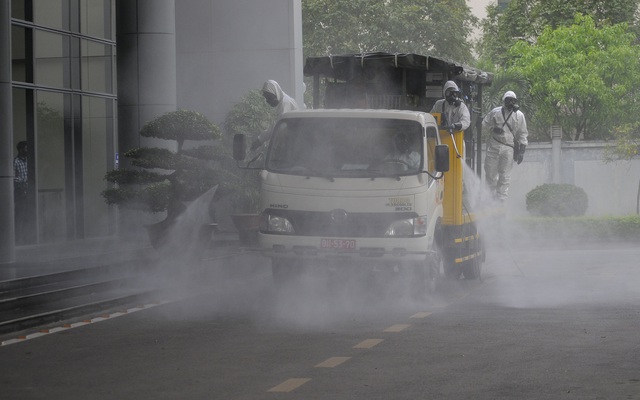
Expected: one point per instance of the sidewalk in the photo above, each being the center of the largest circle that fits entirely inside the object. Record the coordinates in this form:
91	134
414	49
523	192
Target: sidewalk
35	260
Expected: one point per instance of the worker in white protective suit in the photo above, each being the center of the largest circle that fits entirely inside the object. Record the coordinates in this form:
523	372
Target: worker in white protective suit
403	152
454	113
275	97
508	129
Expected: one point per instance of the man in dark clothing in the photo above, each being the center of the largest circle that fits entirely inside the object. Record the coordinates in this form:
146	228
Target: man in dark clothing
20	187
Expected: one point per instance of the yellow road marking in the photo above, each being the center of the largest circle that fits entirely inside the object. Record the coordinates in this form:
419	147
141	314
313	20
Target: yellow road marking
397	328
421	315
332	362
368	343
289	385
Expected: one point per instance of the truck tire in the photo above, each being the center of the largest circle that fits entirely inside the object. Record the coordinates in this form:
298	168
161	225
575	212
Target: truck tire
452	270
471	269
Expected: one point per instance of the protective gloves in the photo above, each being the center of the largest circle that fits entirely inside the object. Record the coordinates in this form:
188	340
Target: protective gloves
455	127
518	152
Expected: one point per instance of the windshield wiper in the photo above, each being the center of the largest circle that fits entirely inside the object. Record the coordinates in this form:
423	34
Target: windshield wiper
319	174
379	174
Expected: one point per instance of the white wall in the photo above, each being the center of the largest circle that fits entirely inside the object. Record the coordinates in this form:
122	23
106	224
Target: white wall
612	188
226	48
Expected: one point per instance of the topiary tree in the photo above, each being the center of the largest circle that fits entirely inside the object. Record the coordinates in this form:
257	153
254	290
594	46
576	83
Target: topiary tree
557	200
166	179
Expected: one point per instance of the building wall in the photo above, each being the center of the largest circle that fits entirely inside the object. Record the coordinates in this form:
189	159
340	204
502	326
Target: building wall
227	48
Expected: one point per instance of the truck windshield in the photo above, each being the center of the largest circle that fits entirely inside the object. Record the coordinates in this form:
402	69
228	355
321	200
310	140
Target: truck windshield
346	147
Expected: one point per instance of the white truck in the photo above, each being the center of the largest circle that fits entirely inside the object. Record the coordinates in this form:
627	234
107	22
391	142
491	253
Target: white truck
376	187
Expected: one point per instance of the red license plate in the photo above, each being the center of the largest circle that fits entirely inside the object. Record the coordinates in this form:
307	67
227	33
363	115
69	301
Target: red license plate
343	244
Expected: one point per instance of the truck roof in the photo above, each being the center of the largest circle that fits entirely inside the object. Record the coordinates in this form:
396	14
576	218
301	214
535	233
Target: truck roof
419	116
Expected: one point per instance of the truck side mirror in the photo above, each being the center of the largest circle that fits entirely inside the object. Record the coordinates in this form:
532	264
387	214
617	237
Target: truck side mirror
239	147
442	158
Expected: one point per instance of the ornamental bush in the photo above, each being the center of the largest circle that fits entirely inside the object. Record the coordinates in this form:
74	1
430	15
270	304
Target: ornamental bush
557	200
161	179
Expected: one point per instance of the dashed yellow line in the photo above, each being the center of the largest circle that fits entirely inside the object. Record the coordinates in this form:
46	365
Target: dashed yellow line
397	328
289	385
420	315
368	343
332	362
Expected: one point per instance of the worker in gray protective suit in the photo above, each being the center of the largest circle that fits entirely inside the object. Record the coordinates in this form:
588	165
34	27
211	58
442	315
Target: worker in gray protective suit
454	113
275	97
508	129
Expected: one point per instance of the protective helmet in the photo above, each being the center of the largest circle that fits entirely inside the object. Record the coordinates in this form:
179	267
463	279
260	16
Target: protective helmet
509	94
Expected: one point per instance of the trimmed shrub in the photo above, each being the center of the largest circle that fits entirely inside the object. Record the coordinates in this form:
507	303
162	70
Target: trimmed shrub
557	200
582	229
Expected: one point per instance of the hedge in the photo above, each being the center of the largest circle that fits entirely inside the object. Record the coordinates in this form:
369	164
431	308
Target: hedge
610	228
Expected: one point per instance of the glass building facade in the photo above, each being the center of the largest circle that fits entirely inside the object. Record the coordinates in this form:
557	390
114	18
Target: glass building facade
64	106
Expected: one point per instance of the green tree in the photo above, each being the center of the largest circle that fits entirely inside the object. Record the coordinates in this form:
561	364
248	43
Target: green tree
586	78
527	19
165	179
435	27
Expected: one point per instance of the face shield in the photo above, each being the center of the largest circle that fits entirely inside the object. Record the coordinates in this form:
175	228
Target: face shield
452	96
271	98
511	104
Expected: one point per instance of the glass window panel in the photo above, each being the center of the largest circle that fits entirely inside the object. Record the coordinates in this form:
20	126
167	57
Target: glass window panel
19	55
97	155
51	13
50	166
52	59
96	18
97	67
24	206
19	9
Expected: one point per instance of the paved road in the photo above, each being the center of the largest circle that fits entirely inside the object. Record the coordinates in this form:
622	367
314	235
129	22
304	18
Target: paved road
544	324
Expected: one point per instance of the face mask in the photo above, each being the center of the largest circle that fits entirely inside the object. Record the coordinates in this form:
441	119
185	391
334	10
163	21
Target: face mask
511	104
453	99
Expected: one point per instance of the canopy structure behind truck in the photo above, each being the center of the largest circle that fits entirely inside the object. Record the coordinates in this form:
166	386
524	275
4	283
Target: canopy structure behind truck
395	81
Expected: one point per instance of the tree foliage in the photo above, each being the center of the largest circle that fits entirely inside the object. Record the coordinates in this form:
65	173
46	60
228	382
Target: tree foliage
165	179
527	19
250	117
435	27
586	77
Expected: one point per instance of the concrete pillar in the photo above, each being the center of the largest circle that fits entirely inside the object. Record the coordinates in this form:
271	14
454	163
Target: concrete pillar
7	227
146	45
556	154
146	62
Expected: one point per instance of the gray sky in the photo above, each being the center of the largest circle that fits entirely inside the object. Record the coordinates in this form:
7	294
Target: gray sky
478	7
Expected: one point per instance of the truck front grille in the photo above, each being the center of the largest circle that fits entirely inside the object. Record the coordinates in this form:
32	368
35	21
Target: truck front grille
313	223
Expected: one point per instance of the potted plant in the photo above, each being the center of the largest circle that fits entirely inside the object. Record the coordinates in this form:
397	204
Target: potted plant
165	179
250	116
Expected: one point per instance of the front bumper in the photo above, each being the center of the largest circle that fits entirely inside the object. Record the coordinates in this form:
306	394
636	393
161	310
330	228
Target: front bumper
373	249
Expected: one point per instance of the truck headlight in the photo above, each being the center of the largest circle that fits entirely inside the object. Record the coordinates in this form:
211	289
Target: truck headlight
408	227
275	224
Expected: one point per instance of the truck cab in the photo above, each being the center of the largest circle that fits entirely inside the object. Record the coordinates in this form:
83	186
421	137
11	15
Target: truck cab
336	185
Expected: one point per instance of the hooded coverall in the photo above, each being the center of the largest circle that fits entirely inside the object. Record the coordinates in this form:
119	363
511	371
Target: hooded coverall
451	113
285	104
499	156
